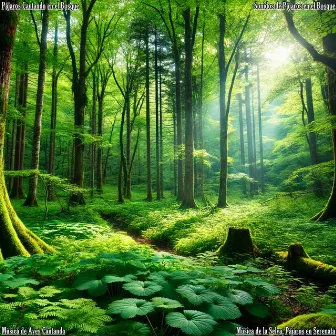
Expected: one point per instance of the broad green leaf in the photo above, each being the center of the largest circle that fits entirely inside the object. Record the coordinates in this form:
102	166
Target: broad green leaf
129	328
240	297
257	309
142	288
196	294
129	308
224	309
94	287
113	278
191	322
166	303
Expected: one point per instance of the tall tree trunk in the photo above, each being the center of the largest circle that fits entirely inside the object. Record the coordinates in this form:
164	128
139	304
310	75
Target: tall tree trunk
157	121
148	128
222	198
32	190
311	118
188	199
200	120
241	137
254	142
92	147
249	130
329	44
122	156
161	138
175	149
17	187
15	238
54	80
100	134
261	145
109	149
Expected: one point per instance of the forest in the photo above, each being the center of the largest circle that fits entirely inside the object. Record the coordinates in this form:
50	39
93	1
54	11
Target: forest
167	167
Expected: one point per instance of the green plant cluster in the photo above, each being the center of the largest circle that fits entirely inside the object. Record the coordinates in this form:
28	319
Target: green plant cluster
122	290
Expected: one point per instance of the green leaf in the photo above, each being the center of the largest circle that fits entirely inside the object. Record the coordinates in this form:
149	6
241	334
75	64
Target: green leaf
191	322
166	303
113	278
240	297
224	309
257	309
142	288
94	287
20	282
196	294
263	288
4	277
129	308
129	328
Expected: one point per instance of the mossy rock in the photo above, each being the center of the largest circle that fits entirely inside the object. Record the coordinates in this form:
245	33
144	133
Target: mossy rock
318	320
238	241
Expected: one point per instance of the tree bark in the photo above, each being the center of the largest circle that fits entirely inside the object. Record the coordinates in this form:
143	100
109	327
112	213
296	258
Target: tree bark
157	121
241	137
93	117
188	198
17	187
222	197
52	144
261	145
250	155
32	190
148	122
15	238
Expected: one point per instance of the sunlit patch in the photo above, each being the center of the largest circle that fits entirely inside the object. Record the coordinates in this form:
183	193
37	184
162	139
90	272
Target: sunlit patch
279	55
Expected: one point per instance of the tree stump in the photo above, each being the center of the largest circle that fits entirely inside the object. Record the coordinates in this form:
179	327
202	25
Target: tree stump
238	241
295	252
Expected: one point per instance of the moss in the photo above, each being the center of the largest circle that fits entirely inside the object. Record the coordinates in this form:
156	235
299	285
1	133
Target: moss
319	320
297	259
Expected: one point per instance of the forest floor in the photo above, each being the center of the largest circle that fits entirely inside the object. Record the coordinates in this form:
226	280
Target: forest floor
275	220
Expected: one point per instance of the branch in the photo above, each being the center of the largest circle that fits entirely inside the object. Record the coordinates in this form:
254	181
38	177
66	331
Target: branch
69	44
35	26
163	19
326	60
193	36
232	84
237	43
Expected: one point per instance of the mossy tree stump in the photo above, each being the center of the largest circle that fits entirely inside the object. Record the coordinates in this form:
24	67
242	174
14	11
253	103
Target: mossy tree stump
238	241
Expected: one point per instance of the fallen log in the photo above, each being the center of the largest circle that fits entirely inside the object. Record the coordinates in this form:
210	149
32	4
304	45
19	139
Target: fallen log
297	259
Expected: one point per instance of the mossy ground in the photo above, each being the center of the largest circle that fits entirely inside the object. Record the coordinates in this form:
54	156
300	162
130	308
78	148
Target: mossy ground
307	321
274	222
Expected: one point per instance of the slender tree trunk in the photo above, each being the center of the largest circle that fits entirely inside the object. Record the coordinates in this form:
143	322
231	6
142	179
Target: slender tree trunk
15	238
249	130
200	120
188	199
122	156
52	145
100	149
261	145
222	198
311	118
241	136
148	128
161	139
175	149
109	149
254	142
17	187
93	149
157	121
32	190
